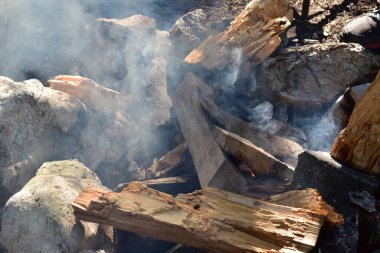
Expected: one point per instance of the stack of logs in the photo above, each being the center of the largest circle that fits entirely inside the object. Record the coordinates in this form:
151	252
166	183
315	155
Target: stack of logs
219	220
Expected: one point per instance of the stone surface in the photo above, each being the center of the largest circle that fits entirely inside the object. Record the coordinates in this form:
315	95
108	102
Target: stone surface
121	50
314	74
39	218
334	181
358	144
189	31
38	124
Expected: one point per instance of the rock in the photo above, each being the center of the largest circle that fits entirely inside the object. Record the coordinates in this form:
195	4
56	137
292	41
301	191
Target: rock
38	124
189	31
312	75
357	92
39	218
358	144
159	102
120	50
333	180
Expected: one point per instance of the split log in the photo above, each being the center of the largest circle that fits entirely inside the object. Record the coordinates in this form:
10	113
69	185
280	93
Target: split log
157	181
261	162
211	219
255	31
309	199
90	93
212	167
169	161
358	144
280	147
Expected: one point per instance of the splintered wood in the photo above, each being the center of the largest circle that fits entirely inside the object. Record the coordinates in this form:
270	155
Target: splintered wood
254	33
358	144
210	219
261	162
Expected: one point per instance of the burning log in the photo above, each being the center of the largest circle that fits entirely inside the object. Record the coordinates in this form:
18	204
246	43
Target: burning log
358	145
255	31
212	167
90	93
261	162
211	219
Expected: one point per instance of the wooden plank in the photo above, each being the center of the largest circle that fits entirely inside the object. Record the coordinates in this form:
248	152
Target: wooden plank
280	147
212	167
210	219
169	161
261	162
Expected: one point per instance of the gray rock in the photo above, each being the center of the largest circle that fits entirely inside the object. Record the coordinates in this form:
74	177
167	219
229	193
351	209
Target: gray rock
189	31
39	218
38	124
314	74
121	50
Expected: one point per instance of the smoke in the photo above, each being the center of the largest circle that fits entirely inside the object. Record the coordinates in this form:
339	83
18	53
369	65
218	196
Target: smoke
43	38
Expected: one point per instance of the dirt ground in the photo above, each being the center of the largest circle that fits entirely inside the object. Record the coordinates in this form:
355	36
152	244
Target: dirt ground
324	21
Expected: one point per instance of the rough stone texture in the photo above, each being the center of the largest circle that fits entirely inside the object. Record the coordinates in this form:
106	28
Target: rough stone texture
40	218
314	74
359	144
333	180
122	49
189	31
38	124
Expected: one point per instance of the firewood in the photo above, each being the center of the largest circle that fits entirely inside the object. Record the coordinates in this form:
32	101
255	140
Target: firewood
157	181
280	147
210	219
255	31
261	162
212	167
169	161
309	199
358	144
91	94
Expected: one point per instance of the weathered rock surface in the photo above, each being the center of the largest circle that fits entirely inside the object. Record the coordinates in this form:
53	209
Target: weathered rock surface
40	218
334	181
189	31
314	74
358	144
122	50
38	124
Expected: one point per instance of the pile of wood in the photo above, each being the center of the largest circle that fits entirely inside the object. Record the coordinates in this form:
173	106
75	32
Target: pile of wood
234	160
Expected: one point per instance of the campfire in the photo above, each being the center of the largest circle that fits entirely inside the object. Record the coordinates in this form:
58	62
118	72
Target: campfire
195	126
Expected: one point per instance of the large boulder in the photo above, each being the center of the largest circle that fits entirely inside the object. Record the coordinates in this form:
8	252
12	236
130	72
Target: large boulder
120	51
189	31
314	74
40	218
38	124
